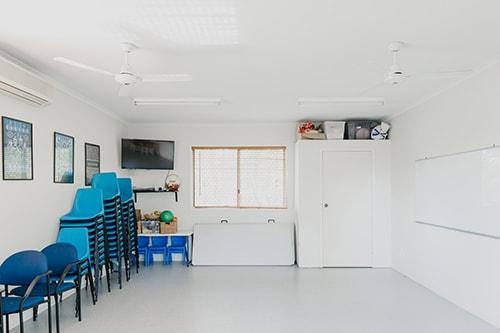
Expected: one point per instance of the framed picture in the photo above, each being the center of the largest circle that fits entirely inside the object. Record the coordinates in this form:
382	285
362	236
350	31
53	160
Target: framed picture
64	158
92	162
17	149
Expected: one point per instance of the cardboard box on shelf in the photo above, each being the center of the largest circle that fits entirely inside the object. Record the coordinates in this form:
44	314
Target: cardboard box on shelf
169	228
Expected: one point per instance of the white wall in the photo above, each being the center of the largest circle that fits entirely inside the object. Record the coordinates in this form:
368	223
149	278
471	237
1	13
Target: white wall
461	267
188	135
309	199
30	210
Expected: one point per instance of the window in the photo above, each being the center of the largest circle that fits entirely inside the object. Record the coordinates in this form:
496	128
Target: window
239	177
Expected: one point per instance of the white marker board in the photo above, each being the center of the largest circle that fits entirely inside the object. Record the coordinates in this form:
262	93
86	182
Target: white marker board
460	191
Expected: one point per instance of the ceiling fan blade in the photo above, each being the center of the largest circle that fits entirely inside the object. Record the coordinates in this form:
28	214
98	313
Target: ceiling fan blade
443	74
82	66
375	86
125	90
167	78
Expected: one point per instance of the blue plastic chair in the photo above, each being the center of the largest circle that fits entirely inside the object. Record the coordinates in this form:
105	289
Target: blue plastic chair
143	248
178	245
126	192
78	238
159	246
27	269
108	183
129	220
88	212
88	205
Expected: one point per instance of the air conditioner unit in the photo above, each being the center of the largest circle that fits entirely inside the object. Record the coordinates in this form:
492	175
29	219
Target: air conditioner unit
17	80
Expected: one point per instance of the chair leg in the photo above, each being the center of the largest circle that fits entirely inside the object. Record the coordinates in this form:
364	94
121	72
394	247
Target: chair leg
119	271
93	289
21	322
79	303
136	261
49	312
108	277
7	324
35	313
57	313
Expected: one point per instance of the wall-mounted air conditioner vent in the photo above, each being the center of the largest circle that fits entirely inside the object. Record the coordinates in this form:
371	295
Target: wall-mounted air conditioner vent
17	80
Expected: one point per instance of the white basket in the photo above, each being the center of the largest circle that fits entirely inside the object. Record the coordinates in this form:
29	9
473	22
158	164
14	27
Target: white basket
334	130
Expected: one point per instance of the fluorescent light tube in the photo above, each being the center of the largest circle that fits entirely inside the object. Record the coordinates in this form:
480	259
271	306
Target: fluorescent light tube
177	101
364	101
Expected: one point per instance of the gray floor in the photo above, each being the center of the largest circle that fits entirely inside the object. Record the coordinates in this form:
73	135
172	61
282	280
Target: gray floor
274	299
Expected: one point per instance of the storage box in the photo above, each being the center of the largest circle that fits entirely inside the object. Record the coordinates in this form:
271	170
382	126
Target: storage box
360	129
150	227
334	130
169	228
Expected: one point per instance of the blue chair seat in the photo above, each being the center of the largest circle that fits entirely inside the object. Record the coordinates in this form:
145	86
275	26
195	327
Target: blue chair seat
41	289
11	304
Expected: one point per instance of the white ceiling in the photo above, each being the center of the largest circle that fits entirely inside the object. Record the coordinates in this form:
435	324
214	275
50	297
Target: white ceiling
259	56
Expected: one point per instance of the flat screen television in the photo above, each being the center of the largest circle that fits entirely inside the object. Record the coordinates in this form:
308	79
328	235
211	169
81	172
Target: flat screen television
148	154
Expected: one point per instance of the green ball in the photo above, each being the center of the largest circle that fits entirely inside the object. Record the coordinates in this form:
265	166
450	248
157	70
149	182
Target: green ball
167	216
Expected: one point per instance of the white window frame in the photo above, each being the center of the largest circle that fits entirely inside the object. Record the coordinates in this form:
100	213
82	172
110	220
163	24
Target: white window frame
240	148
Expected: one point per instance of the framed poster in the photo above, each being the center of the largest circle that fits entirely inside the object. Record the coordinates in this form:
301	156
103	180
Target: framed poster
92	162
64	158
17	149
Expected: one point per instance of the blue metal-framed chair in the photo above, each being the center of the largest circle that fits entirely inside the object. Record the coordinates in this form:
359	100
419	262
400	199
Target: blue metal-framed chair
27	269
108	183
88	212
62	259
178	245
78	238
159	246
129	223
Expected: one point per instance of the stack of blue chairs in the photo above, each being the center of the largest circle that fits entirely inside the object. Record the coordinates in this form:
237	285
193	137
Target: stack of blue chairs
130	223
107	182
88	213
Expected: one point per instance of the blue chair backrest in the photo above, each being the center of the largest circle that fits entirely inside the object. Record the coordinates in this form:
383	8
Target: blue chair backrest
88	201
60	255
178	241
78	237
126	192
108	183
142	241
22	267
159	241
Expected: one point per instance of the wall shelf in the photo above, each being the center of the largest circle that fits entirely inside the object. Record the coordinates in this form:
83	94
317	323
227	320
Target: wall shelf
150	190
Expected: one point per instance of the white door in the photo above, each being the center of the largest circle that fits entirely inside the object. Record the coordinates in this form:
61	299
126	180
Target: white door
347	208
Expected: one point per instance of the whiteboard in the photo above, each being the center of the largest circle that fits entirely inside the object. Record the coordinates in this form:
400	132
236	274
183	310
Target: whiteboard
249	244
460	191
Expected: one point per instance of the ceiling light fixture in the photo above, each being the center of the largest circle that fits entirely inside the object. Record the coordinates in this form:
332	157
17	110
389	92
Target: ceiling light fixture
363	101
177	101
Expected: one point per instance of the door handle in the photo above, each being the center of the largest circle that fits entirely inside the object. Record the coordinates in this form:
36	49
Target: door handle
325	205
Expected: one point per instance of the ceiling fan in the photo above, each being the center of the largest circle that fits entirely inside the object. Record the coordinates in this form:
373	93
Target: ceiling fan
126	77
395	74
